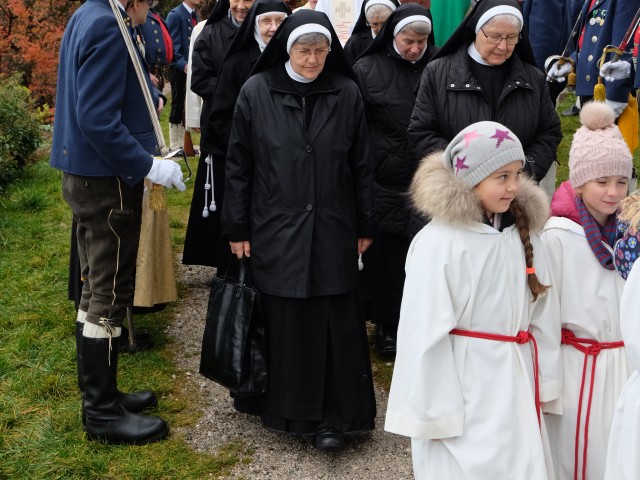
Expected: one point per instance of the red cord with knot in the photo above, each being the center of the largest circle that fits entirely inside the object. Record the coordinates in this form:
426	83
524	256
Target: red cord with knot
592	348
521	338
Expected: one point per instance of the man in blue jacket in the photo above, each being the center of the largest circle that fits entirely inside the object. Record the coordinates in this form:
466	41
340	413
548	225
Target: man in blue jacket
602	23
158	45
103	143
180	21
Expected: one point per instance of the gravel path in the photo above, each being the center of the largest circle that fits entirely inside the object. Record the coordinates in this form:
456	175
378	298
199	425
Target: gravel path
376	455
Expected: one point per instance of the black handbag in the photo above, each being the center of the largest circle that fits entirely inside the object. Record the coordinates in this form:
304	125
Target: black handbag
233	346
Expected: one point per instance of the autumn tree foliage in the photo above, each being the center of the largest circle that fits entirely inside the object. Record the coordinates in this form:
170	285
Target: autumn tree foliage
30	36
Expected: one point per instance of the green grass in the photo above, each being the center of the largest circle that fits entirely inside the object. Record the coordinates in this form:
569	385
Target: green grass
40	430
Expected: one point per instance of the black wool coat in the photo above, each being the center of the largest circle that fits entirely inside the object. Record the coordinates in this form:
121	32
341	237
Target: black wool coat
208	54
450	99
234	72
301	194
389	83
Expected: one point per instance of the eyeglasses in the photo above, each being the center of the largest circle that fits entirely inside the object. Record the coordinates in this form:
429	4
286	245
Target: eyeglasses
267	22
496	38
375	25
306	53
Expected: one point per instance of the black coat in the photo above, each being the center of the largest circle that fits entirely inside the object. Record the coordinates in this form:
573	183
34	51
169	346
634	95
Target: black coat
235	71
208	53
450	99
241	56
301	196
388	83
357	43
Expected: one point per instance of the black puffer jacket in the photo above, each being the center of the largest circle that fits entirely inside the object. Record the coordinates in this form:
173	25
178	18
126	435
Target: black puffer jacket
449	99
388	83
300	193
357	43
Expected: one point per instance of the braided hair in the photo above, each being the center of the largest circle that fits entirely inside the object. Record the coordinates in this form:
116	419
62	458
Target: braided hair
522	224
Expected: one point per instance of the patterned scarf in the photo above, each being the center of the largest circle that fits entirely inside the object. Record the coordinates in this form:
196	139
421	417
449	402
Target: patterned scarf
594	234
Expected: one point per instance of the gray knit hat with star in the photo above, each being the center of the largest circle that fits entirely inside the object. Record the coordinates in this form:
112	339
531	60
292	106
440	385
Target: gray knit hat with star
481	149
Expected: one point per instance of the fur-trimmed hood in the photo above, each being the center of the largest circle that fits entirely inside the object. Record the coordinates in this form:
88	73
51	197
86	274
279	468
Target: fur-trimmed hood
439	194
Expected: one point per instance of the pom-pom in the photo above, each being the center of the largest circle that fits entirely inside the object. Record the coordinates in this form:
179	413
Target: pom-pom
597	116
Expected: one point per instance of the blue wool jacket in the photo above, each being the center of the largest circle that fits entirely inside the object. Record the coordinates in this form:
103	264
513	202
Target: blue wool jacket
180	27
604	23
154	46
102	126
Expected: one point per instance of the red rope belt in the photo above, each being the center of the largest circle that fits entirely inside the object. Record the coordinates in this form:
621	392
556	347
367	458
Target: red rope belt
593	348
521	338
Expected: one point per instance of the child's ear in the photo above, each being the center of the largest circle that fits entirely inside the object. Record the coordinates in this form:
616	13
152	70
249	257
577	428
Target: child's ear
578	191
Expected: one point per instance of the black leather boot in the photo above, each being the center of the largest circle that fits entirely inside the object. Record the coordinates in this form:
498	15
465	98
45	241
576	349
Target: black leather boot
133	402
106	418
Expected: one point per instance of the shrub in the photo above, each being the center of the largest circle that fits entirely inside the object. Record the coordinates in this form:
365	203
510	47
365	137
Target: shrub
19	130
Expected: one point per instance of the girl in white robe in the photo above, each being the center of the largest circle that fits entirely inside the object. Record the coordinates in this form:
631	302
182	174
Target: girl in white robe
469	404
623	461
579	238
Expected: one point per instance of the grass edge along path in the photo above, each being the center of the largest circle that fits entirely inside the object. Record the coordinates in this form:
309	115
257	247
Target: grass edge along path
40	430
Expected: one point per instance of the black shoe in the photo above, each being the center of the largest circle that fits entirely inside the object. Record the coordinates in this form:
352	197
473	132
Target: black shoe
118	426
571	112
158	307
143	341
329	438
385	340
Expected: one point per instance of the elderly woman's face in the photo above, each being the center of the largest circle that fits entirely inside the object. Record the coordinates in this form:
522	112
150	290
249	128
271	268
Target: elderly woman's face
496	53
268	23
411	45
239	9
377	21
308	59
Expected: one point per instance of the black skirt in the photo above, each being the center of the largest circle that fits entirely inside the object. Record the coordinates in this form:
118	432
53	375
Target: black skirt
388	278
319	366
203	243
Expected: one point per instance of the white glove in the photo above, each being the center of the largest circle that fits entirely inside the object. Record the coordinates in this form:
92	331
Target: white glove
617	107
166	173
619	70
558	72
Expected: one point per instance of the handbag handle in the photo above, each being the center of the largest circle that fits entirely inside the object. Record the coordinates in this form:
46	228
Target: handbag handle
244	272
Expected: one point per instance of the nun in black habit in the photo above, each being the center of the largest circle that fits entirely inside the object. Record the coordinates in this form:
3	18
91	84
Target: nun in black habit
388	73
487	71
202	244
264	17
298	202
373	14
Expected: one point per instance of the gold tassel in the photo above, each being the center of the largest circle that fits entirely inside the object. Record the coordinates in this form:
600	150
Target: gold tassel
628	123
157	198
599	93
571	82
